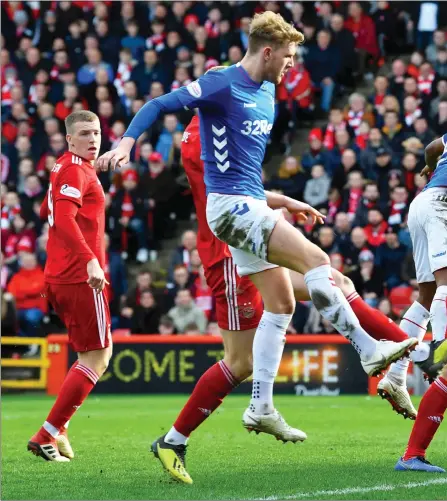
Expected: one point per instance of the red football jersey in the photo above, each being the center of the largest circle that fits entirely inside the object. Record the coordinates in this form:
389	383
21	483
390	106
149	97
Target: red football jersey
211	249
74	179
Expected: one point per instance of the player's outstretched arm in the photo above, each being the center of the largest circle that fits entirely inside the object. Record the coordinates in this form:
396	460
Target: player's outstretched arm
210	90
432	152
145	117
301	209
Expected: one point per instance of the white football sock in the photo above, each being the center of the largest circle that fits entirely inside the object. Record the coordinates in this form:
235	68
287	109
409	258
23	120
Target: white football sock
176	438
268	346
438	316
329	300
414	324
52	430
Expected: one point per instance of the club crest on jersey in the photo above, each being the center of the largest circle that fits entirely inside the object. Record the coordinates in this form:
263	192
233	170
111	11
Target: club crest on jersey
70	191
194	89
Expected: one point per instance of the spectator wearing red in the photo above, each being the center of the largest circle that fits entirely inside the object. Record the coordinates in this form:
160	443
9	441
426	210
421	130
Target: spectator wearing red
27	286
357	112
18	239
398	206
426	79
352	194
316	155
376	228
381	89
364	31
412	111
410	164
203	296
10	209
65	107
336	122
416	60
295	88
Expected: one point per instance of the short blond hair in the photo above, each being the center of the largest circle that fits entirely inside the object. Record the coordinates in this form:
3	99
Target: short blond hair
79	116
269	28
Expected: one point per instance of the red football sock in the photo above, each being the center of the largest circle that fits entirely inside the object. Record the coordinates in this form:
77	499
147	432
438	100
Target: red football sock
430	415
375	323
78	383
210	390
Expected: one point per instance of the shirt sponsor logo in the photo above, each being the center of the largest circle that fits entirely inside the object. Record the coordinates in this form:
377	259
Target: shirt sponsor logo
194	89
70	191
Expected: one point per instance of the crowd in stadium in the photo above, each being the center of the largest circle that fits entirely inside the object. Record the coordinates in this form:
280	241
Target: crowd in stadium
361	165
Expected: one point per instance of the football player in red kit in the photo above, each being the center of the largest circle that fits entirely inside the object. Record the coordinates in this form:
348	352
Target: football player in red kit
74	278
239	310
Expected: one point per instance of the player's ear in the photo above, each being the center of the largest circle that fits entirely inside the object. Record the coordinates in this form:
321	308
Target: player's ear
267	53
68	139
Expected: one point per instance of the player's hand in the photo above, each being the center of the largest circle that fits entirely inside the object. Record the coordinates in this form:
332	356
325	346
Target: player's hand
113	159
303	211
427	170
96	278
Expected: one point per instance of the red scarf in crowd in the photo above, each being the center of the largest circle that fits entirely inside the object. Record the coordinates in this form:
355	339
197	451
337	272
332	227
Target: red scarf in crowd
425	84
355	119
212	29
329	135
410	118
156	42
396	211
355	195
7	215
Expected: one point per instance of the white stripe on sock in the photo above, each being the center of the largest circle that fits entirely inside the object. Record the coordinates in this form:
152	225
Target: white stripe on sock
52	430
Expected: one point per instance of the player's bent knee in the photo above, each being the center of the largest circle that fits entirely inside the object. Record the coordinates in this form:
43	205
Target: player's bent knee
315	258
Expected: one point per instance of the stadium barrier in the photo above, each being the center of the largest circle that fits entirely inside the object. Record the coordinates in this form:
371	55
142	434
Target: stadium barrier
311	365
42	363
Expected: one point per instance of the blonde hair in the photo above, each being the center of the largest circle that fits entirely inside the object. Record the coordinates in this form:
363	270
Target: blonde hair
79	116
269	28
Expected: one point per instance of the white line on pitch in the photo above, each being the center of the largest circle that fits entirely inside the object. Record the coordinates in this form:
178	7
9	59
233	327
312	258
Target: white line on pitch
355	490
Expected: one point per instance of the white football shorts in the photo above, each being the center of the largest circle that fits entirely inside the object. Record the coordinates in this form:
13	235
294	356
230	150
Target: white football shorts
245	224
427	222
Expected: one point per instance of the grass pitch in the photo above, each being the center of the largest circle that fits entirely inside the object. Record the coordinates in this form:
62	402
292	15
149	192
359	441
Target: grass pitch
352	447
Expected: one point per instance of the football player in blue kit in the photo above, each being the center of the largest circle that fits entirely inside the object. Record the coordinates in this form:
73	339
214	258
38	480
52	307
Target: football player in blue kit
237	111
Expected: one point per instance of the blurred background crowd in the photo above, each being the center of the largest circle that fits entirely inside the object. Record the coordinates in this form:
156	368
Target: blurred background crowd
367	93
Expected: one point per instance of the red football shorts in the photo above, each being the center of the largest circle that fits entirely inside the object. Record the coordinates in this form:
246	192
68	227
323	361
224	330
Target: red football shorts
239	305
84	312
